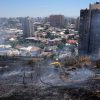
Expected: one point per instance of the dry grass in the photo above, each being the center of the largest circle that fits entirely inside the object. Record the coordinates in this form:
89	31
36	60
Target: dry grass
77	61
98	63
31	62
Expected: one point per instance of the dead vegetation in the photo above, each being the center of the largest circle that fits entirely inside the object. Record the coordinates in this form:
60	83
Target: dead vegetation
31	62
77	61
98	63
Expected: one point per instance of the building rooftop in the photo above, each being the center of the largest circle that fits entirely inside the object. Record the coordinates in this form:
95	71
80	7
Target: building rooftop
95	6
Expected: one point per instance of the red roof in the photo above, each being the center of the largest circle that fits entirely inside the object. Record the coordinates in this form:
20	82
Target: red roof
72	41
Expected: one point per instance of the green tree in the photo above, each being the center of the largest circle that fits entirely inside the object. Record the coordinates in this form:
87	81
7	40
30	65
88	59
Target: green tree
67	31
63	40
60	46
42	46
48	35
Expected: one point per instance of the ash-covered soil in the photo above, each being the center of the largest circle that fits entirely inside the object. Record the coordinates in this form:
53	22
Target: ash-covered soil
50	93
40	82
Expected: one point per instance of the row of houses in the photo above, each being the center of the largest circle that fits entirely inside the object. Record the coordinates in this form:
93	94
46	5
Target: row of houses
19	51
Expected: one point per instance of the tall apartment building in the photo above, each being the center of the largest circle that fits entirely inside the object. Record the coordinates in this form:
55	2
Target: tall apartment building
77	24
89	41
28	28
56	21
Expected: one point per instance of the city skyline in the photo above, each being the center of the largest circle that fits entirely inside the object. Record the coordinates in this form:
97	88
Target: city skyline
42	8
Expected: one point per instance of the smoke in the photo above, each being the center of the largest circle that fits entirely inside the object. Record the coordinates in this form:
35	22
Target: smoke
56	77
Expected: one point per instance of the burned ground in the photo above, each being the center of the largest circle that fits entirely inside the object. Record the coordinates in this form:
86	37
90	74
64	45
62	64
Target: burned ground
43	83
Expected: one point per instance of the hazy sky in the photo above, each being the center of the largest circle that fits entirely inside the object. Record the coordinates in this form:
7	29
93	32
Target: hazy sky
41	8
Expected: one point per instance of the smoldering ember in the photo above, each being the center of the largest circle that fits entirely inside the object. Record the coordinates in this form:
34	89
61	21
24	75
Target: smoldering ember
52	58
